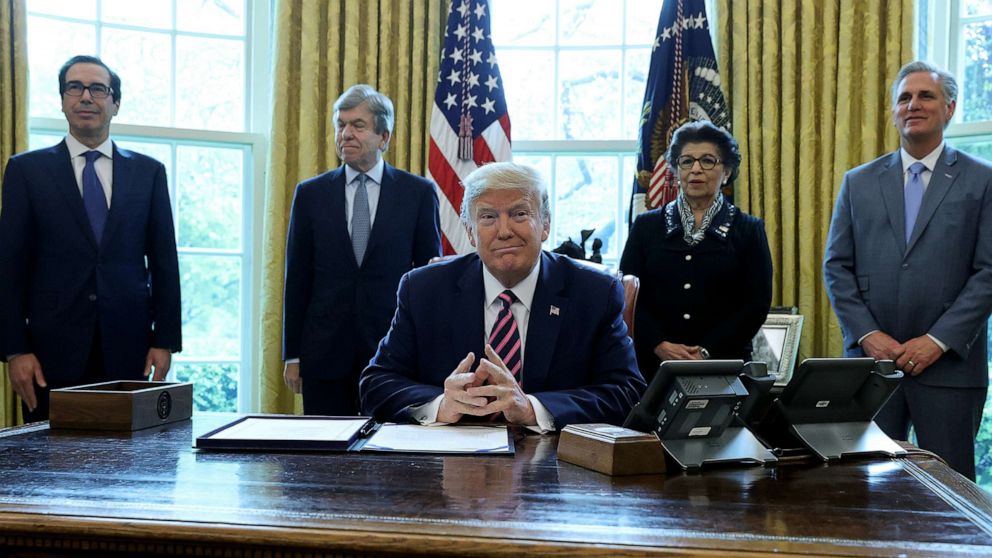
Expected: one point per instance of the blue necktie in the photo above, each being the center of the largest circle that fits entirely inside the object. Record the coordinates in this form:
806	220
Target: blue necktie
94	199
361	222
914	196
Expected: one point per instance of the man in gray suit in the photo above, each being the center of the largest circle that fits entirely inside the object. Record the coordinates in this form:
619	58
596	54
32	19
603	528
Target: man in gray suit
908	268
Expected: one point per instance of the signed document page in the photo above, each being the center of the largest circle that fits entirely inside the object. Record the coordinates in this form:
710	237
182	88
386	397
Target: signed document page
441	439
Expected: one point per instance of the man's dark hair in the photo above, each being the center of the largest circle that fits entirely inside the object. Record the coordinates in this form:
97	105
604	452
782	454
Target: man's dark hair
704	131
115	80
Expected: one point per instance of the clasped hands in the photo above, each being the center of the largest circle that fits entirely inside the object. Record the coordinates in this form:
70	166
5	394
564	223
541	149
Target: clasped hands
491	388
913	356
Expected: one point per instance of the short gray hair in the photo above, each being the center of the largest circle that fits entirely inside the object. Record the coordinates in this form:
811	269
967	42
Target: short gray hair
379	105
948	84
503	176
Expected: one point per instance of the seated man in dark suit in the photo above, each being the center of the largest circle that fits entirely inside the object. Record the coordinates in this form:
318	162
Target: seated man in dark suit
548	334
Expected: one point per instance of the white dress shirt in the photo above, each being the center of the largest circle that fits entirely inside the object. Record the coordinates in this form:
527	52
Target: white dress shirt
104	166
373	186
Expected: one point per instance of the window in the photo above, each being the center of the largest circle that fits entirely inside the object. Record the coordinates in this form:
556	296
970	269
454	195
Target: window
575	72
185	67
957	35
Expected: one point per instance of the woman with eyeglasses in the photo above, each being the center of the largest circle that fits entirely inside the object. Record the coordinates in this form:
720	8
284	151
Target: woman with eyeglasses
704	265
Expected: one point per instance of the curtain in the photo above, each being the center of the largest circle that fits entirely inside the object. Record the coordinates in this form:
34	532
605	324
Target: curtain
322	48
808	85
13	132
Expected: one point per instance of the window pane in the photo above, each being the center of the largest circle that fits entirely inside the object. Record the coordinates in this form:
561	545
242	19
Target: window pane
627	183
977	94
211	293
38	140
642	21
980	146
591	22
142	59
529	78
976	7
523	23
45	58
586	193
217	17
151	13
209	196
79	9
589	93
215	386
210	88
635	81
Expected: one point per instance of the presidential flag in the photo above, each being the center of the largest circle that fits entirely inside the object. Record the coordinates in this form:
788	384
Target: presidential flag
469	122
683	84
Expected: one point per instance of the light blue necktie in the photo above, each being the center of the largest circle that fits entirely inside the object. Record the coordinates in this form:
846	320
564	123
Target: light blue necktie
914	196
94	200
361	223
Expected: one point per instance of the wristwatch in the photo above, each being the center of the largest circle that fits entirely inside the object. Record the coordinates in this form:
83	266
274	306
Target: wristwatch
704	352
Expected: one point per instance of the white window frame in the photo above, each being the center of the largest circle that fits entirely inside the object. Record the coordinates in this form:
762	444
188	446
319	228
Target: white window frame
943	20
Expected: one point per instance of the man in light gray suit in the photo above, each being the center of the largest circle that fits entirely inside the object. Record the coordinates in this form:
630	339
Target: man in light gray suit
908	268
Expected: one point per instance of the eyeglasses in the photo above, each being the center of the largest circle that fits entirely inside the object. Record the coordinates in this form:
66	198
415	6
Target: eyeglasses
97	90
707	162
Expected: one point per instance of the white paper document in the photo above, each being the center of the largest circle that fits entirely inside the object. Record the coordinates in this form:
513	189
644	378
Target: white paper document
440	439
309	430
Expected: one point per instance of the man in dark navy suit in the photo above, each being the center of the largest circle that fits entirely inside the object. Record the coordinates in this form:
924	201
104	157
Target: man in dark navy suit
353	232
511	332
90	283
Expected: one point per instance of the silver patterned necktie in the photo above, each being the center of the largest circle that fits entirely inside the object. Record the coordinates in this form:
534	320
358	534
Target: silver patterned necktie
914	196
361	222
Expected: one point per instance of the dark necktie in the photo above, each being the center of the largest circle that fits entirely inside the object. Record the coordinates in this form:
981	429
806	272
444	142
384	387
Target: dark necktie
914	196
361	222
505	337
94	199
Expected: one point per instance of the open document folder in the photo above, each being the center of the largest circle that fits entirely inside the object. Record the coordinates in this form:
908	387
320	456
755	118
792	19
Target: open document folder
314	433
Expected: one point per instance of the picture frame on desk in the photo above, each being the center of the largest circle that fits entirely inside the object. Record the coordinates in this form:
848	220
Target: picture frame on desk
777	344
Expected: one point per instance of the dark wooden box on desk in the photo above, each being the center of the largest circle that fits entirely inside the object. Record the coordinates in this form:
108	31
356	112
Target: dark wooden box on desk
120	405
611	450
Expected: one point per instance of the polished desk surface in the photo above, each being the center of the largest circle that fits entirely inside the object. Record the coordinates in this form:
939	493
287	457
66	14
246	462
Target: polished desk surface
90	493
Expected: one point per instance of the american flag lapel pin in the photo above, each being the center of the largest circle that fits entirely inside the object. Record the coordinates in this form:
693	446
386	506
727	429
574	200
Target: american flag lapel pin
554	310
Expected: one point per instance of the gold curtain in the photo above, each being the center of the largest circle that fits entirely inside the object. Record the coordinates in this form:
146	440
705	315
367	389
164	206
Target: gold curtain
13	131
322	48
808	85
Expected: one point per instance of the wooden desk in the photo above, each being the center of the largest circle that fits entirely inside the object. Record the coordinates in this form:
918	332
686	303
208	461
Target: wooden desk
90	494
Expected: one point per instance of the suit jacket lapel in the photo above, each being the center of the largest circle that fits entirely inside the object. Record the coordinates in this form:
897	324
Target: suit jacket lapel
892	184
544	325
65	182
469	326
941	178
338	212
386	211
122	191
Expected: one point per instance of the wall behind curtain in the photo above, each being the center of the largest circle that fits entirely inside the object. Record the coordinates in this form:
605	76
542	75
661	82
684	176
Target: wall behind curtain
13	131
808	84
322	48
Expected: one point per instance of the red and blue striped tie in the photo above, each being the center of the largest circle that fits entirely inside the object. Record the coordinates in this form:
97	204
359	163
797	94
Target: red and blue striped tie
505	337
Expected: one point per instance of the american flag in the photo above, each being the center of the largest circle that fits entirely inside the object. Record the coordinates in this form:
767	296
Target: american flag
683	84
469	122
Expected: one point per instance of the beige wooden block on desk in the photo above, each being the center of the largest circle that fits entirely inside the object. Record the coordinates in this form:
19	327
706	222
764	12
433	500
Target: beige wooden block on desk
611	450
120	405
